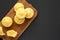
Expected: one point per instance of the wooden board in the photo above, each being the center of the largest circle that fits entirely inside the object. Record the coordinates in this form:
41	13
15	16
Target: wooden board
19	28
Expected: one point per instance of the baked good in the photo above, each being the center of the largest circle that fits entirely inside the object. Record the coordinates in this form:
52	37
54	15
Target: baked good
12	33
1	31
18	5
7	21
20	13
29	13
18	21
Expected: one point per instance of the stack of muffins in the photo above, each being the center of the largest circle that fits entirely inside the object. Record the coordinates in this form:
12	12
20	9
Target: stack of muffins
22	13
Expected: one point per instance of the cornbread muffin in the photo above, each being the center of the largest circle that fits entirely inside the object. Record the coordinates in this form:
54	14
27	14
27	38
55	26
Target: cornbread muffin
7	21
12	33
1	31
29	13
20	13
18	5
18	21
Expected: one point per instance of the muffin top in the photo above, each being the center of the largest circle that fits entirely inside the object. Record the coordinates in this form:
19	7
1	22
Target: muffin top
7	21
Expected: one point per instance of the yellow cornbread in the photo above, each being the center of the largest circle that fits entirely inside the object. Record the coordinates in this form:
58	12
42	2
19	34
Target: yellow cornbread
7	21
29	12
18	21
12	33
1	31
20	13
18	5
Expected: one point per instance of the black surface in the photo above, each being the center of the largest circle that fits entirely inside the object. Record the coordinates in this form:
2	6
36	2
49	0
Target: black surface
45	26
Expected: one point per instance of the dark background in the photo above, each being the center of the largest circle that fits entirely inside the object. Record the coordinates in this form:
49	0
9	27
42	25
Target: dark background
47	24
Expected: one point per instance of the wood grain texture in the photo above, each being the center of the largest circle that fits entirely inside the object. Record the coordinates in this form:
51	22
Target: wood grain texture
19	28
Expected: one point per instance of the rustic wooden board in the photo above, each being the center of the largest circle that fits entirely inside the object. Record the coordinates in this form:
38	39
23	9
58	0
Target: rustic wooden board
19	28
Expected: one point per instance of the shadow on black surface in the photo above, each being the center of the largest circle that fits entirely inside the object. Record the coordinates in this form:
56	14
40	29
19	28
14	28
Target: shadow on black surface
1	39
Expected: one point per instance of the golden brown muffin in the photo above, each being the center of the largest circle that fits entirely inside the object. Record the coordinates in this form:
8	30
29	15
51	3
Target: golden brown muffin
1	31
20	13
12	33
7	21
18	5
29	13
18	21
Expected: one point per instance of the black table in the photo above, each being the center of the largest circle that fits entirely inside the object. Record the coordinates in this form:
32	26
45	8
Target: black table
44	27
